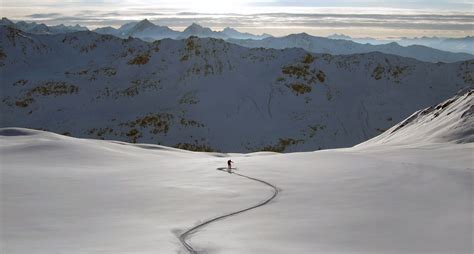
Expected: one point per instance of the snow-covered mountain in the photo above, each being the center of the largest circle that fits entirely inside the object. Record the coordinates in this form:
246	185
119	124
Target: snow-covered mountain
93	196
428	50
465	44
206	94
342	46
36	28
199	31
148	31
339	37
144	30
229	32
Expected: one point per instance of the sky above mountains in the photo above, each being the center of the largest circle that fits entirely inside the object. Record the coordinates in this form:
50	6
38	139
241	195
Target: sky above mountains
357	18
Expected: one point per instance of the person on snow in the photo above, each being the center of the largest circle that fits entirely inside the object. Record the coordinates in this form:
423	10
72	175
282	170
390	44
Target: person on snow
229	165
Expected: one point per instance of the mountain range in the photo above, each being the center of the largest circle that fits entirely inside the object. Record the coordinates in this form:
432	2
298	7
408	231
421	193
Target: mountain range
335	44
457	45
33	27
148	31
210	95
317	44
143	29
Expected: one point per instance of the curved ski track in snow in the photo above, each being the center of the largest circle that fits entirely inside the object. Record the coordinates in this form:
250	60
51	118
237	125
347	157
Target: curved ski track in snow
192	230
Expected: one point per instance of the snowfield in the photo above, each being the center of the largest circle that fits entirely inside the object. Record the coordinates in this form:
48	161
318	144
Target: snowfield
67	195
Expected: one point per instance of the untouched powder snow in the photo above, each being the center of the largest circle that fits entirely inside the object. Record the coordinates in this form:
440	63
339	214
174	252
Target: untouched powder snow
68	195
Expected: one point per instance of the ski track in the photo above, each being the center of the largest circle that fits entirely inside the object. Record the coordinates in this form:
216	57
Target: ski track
183	236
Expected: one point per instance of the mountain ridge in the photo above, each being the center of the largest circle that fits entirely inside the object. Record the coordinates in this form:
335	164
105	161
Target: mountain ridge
336	44
455	45
209	95
34	27
449	121
317	44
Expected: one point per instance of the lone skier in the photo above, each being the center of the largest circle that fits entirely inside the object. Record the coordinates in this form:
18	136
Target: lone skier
229	166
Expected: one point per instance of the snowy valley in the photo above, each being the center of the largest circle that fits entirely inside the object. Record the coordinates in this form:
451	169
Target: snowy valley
121	139
236	127
408	190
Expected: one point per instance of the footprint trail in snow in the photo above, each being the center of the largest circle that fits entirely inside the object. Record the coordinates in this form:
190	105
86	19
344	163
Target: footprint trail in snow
186	234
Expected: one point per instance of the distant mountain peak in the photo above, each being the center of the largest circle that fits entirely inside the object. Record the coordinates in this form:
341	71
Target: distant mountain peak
231	33
393	44
299	35
229	29
340	37
195	25
144	24
195	28
6	21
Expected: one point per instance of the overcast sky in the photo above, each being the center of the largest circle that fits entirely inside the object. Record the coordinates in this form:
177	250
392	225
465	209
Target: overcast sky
358	18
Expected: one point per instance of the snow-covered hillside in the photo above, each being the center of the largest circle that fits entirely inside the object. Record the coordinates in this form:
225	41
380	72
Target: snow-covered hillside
449	121
342	46
209	95
68	195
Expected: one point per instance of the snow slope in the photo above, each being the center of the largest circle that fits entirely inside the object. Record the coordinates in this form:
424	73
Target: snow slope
68	195
449	121
194	93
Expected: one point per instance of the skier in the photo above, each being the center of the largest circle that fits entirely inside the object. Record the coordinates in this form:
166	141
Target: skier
229	166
